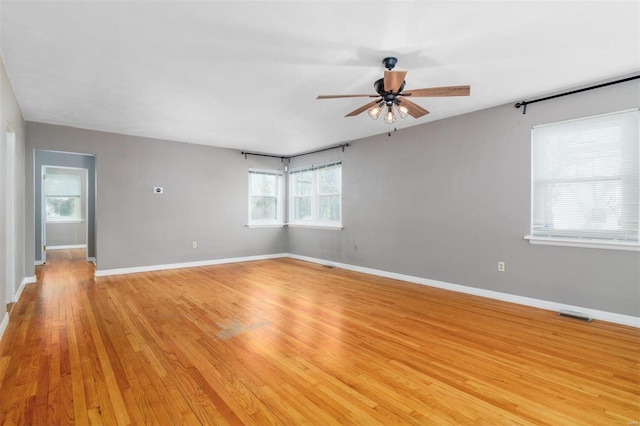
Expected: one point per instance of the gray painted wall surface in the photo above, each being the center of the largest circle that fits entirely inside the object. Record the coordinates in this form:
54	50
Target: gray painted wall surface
10	114
449	199
204	200
66	234
63	159
69	233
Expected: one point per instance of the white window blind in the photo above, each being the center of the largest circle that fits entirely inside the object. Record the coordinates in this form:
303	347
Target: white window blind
63	185
316	195
265	197
585	178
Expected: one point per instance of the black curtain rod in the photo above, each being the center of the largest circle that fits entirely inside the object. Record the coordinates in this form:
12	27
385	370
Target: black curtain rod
263	155
282	158
342	145
525	103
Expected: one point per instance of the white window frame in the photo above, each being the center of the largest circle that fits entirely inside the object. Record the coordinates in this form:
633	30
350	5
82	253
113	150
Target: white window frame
591	238
78	218
314	221
280	199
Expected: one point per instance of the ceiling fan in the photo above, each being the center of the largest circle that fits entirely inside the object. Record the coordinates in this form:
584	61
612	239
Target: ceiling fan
391	93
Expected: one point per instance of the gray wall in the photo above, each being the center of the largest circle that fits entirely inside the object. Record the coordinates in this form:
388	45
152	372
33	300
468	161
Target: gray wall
449	199
10	114
63	159
204	200
69	233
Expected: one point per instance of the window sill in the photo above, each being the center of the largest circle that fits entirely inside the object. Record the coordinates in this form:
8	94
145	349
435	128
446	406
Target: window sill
310	226
583	243
265	225
65	221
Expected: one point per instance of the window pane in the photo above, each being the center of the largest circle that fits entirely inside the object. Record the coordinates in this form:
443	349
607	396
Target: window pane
585	178
264	208
302	208
330	180
329	208
302	183
263	184
315	195
63	208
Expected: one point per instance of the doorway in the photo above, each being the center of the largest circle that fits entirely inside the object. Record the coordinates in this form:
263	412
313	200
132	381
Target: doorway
64	208
85	223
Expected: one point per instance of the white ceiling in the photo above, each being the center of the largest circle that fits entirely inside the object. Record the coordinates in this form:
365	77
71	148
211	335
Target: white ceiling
245	75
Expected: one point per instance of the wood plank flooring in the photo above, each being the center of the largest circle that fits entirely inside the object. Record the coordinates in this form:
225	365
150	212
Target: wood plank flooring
288	342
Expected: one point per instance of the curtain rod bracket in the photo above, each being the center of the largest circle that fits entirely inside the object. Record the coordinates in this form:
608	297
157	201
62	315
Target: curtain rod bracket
522	104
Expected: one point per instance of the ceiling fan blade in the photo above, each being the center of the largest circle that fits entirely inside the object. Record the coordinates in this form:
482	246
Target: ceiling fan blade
346	96
415	110
393	80
438	91
363	108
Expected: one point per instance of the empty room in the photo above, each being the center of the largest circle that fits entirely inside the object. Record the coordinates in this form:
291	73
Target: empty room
320	212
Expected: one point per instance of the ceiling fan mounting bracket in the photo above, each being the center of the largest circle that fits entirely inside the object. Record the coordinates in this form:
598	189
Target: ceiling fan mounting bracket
390	62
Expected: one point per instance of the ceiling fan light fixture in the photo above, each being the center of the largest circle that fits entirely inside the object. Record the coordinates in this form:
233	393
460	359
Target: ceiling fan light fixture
403	110
374	112
389	116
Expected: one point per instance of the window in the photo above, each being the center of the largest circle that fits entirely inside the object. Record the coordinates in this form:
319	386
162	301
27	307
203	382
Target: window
585	180
266	197
316	195
62	197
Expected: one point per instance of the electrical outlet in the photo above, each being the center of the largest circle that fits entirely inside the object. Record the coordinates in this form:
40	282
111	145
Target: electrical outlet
195	244
500	266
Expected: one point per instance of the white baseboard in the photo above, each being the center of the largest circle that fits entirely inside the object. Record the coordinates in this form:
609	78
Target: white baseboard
4	324
77	246
38	263
16	297
506	297
92	260
107	272
25	281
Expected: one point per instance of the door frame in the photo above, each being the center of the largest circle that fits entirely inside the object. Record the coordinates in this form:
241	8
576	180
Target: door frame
10	213
43	205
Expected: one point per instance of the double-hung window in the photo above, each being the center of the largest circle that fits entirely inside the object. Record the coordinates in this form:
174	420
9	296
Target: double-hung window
315	195
62	197
586	180
266	197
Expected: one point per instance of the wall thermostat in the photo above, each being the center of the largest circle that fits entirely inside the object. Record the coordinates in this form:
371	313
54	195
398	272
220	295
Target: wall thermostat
157	190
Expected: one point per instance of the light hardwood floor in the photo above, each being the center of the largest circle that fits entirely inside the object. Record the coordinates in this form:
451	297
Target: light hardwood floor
288	342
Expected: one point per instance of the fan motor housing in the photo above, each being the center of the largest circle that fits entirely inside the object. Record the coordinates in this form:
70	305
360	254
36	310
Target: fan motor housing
379	87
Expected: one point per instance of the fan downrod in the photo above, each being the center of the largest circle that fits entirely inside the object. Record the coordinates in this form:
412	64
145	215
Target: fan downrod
390	62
